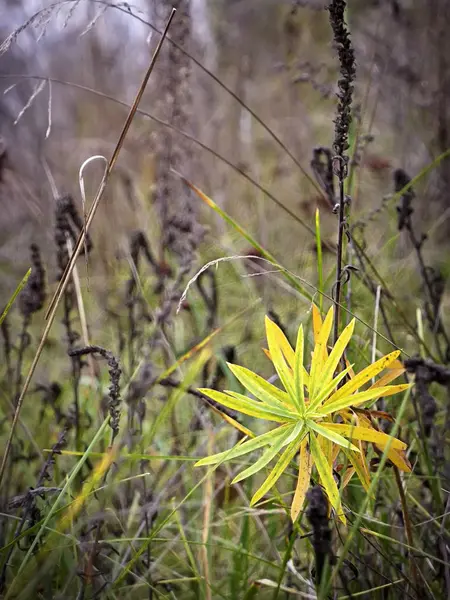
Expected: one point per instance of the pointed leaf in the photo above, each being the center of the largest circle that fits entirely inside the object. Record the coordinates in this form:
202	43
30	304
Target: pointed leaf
389	376
322	394
326	476
292	431
359	464
364	376
260	388
285	414
354	399
304	478
317	322
318	357
299	398
282	355
282	342
366	434
337	352
244	448
326	429
278	470
398	458
245	405
232	421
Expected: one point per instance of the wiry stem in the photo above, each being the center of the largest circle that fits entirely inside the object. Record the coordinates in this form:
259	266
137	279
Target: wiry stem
342	125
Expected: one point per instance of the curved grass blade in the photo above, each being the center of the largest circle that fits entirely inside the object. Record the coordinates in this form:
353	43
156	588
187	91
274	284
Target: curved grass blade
17	291
209	202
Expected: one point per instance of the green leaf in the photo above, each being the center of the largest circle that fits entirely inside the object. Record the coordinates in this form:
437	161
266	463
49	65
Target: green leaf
326	475
244	448
17	291
290	434
246	405
331	435
260	388
279	469
299	396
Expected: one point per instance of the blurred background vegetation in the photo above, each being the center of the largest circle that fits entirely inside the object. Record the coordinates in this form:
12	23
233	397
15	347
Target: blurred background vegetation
237	106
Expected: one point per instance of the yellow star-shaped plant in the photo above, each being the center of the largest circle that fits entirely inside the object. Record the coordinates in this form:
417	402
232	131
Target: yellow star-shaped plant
308	410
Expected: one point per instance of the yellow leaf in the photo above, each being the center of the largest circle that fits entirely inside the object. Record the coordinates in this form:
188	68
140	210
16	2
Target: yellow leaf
332	362
366	434
398	458
282	342
388	377
260	388
232	421
317	322
246	405
298	374
364	376
355	399
304	477
319	357
360	466
326	476
281	353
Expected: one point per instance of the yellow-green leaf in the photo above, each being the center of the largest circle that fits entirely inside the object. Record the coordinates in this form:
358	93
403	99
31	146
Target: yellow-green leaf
246	405
326	476
317	322
277	471
327	431
304	477
260	388
322	394
244	448
290	434
299	396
